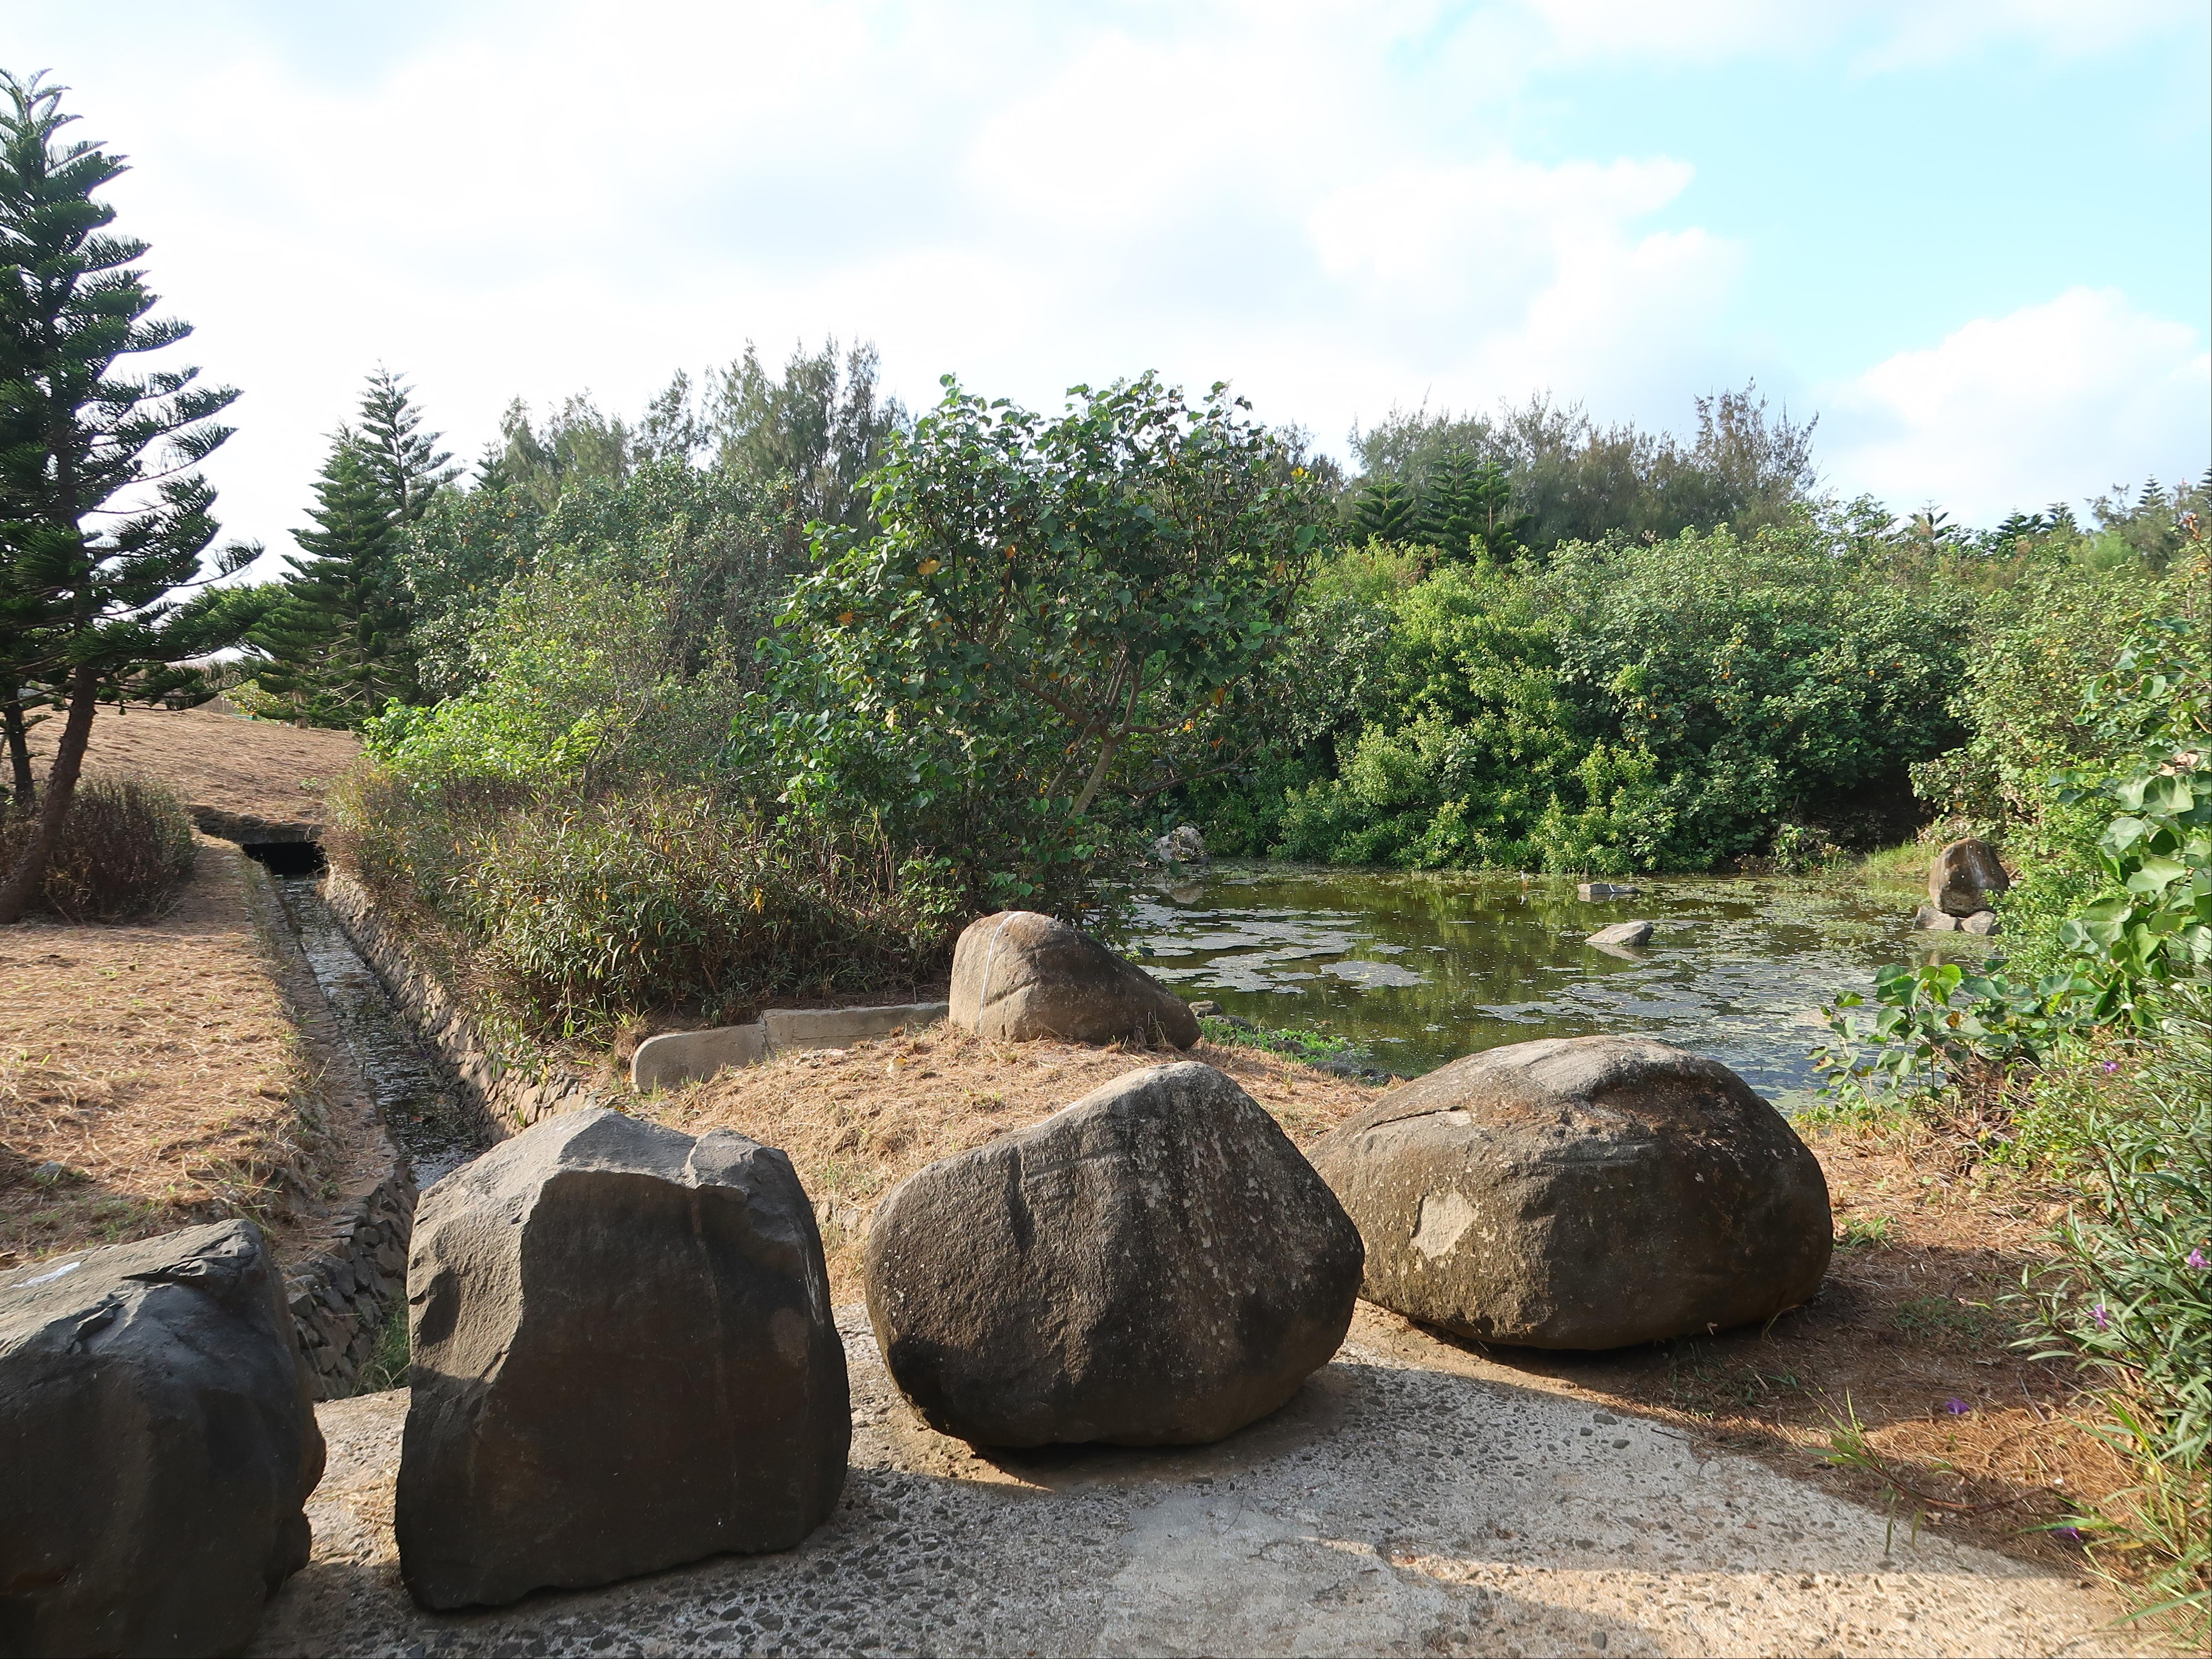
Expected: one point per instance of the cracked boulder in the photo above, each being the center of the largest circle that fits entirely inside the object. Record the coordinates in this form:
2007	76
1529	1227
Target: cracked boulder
1580	1192
1021	975
1153	1265
157	1445
623	1359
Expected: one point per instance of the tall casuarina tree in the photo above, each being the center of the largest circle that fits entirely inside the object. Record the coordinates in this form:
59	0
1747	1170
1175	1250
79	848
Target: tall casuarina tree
104	514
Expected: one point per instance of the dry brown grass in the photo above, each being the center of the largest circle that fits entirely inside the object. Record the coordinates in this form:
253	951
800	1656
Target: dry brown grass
155	1062
256	768
857	1121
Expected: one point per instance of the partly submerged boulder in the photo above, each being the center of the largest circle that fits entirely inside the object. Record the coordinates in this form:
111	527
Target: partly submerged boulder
1621	934
1580	1192
1180	845
1153	1265
157	1443
623	1359
1962	876
1020	975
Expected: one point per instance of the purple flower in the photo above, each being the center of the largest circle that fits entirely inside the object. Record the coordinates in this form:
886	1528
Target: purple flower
2196	1261
2097	1313
2071	1535
2110	1067
1957	1407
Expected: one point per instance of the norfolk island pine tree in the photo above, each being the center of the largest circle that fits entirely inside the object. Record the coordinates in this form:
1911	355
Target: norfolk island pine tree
104	513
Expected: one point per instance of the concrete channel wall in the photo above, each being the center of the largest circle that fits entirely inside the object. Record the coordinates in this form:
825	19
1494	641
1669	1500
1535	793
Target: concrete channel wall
342	1291
501	1097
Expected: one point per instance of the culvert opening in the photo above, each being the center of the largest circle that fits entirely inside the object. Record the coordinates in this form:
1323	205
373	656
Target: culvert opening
286	858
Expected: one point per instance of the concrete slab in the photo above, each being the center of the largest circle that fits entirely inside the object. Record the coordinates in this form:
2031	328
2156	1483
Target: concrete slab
790	1029
1397	1505
678	1057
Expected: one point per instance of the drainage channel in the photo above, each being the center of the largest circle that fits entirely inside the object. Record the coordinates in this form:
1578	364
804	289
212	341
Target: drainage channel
418	1110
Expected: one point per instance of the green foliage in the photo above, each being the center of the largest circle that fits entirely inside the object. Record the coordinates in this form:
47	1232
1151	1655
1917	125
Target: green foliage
1572	481
337	641
673	899
1622	707
1050	626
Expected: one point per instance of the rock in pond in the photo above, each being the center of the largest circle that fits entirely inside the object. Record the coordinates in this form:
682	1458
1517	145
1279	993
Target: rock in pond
1981	921
1580	1192
1597	892
623	1359
1180	845
1153	1265
1621	934
1961	877
1020	975
157	1442
1930	919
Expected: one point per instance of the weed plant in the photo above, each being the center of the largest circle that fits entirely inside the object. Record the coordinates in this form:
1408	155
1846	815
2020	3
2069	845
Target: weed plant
126	850
2130	1296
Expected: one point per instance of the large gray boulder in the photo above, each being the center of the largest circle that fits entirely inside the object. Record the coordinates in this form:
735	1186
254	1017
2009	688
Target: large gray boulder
1020	975
1962	876
623	1359
1580	1192
157	1443
1153	1265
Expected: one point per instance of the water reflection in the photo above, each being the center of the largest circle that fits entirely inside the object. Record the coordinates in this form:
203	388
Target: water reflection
1423	968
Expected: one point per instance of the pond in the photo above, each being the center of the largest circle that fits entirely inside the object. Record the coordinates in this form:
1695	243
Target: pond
1422	969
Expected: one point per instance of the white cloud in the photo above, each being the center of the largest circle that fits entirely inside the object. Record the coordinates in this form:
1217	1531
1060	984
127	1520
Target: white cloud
2054	402
1875	34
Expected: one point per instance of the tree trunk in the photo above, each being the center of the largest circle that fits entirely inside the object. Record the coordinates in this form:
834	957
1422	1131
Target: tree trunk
19	753
23	882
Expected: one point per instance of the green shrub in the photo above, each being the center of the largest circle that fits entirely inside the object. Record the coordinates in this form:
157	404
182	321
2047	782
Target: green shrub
126	850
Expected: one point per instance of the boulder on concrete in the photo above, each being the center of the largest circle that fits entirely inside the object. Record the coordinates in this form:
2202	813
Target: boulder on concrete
1021	975
623	1359
1580	1192
1153	1265
157	1445
1961	877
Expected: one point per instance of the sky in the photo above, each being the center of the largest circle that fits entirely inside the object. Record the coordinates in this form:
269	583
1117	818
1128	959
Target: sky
1973	237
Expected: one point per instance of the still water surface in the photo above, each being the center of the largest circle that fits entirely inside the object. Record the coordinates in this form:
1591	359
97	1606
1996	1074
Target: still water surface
1423	969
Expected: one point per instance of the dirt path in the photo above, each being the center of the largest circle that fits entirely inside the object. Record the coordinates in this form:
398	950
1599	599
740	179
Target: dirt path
1400	1505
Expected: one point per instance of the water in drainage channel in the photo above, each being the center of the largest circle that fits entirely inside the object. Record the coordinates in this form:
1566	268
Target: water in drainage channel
415	1105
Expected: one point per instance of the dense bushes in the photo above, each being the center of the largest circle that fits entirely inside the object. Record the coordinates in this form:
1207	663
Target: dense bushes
125	848
1627	705
669	775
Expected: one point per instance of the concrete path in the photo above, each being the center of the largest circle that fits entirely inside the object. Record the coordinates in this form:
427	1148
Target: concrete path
1397	1506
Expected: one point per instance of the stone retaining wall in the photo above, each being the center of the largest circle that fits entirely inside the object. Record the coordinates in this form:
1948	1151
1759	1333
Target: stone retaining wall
341	1295
503	1097
341	1299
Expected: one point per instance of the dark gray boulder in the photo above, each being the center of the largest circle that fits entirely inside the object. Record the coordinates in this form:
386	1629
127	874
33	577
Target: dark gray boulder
1962	876
1580	1192
1153	1265
157	1442
1020	975
623	1359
